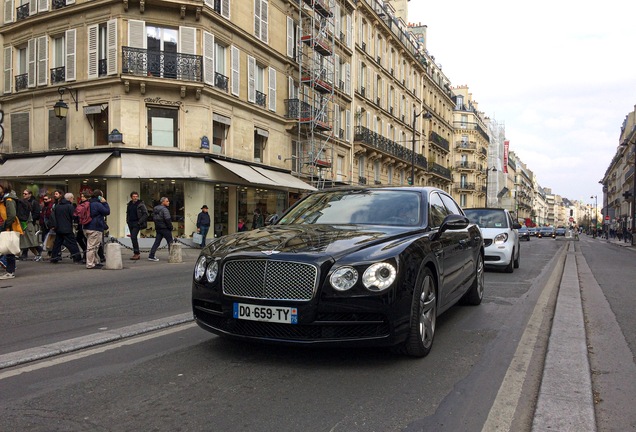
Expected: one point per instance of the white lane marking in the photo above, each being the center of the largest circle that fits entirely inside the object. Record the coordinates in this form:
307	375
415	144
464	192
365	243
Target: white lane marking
98	350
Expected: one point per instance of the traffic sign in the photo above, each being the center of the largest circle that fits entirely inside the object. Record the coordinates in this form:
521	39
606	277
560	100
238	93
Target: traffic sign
571	219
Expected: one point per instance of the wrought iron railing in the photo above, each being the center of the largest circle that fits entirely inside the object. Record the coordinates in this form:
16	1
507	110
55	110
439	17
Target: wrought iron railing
466	165
21	82
362	180
58	74
464	186
102	67
261	98
439	141
58	4
439	170
143	62
221	81
22	12
374	140
217	6
463	145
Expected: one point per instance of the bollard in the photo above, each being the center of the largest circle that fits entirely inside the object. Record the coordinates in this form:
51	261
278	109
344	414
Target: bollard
113	256
175	253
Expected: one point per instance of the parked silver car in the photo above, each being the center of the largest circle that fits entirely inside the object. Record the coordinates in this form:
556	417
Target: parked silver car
501	239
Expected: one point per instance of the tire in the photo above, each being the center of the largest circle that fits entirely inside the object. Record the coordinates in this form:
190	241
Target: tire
510	267
475	293
516	264
423	318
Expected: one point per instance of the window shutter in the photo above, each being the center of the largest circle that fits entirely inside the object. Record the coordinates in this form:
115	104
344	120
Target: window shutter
349	31
257	18
336	66
209	3
33	7
137	34
208	58
251	82
8	69
112	48
290	88
43	60
225	8
348	125
187	40
31	62
236	56
8	11
337	21
336	120
348	79
68	2
70	55
272	89
290	37
43	5
264	22
93	59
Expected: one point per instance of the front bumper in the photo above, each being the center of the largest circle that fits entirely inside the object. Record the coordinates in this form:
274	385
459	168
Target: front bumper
498	255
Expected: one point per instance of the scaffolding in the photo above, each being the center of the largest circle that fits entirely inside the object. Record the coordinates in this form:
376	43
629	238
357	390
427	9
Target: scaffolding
316	46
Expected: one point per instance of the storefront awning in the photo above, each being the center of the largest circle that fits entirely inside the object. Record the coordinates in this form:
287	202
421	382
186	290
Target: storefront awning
285	179
28	167
246	173
78	164
146	166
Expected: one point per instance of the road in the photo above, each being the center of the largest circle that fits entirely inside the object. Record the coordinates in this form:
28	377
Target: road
183	378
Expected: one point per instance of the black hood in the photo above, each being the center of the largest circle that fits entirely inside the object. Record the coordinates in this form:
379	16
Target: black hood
322	239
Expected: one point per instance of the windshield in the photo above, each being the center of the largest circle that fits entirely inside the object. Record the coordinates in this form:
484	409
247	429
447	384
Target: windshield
487	218
365	207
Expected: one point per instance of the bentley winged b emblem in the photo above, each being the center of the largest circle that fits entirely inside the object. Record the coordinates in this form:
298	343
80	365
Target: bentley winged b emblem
270	252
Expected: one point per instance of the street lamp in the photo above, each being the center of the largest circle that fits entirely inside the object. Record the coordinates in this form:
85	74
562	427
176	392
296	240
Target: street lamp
595	197
60	108
493	169
427	115
633	204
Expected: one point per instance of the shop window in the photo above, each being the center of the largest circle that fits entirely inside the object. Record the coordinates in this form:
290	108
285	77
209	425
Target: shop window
163	124
269	202
151	192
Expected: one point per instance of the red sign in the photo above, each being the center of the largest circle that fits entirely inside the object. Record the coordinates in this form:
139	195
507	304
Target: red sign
571	219
505	159
606	217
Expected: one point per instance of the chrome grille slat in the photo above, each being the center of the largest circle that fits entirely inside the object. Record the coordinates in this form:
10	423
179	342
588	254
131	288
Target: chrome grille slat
270	280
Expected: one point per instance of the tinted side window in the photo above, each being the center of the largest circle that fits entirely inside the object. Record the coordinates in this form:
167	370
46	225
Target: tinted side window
437	210
451	205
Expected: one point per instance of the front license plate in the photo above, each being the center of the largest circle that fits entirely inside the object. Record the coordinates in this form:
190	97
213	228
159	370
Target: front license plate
287	315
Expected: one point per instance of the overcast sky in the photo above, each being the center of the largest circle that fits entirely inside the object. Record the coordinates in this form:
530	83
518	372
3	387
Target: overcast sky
560	74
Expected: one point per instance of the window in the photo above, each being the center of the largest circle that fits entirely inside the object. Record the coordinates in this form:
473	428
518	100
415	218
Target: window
463	180
376	171
101	128
103	47
260	140
463	200
390	174
361	170
220	67
459	102
163	125
339	168
437	211
162	51
220	131
451	205
57	61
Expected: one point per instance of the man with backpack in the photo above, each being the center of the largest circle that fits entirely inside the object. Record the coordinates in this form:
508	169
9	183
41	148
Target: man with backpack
29	240
94	229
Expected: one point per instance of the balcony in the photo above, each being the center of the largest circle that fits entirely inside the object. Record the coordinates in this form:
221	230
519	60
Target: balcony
21	82
439	141
465	187
385	145
439	170
261	98
466	165
161	64
306	114
471	126
362	180
221	81
58	75
22	12
363	92
364	46
463	145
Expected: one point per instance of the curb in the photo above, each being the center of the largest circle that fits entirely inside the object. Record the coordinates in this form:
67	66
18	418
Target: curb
70	345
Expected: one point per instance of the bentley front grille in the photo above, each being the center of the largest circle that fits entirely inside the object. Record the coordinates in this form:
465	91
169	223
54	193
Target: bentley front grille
269	280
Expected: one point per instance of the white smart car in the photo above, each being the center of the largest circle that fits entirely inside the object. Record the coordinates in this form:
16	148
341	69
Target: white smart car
501	239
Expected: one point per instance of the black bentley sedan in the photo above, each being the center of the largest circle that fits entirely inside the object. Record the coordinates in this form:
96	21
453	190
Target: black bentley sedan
344	266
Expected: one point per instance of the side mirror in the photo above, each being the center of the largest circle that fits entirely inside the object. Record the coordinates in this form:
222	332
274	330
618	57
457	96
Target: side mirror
454	222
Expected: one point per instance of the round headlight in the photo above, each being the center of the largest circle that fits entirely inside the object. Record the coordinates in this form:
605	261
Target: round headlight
501	238
344	278
199	268
212	271
379	276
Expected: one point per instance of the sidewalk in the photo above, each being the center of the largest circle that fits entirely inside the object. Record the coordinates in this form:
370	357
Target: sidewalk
616	242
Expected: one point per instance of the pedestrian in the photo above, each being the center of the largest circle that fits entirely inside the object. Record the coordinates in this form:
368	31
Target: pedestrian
241	225
45	227
82	242
62	224
29	240
94	230
30	228
258	220
163	226
137	219
203	224
10	222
